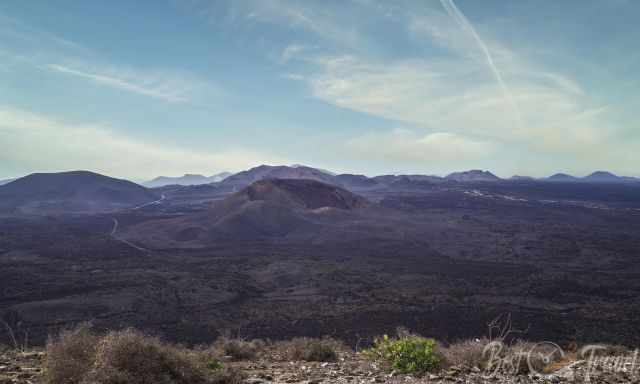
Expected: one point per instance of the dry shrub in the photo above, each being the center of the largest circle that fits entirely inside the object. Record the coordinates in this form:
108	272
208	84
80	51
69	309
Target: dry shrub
526	357
521	357
238	349
69	356
467	353
308	349
129	357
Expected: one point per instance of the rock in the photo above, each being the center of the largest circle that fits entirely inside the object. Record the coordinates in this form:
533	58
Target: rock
255	381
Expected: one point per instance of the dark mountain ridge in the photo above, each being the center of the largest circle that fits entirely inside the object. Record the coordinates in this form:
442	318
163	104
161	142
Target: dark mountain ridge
71	192
472	175
6	181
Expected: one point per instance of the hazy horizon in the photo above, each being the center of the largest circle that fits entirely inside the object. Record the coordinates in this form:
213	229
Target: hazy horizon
151	178
140	90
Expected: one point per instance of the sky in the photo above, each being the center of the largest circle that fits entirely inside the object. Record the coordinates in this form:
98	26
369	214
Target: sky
138	89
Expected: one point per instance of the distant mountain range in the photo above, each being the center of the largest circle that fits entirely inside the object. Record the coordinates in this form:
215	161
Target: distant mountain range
187	179
595	177
354	181
6	181
87	192
71	192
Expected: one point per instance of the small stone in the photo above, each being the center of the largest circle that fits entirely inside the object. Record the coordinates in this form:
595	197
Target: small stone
255	381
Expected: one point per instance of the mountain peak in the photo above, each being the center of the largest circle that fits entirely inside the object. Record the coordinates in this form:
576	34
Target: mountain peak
245	178
186	179
302	193
472	175
71	192
561	177
602	176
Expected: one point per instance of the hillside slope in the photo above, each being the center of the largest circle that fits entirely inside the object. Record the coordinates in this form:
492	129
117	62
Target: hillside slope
71	192
270	210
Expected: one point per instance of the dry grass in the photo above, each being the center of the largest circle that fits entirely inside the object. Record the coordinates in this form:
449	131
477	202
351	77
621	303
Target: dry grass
238	349
129	357
526	357
69	356
520	358
467	353
308	349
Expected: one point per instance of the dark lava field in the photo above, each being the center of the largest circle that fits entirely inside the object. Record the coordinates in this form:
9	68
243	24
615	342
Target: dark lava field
281	258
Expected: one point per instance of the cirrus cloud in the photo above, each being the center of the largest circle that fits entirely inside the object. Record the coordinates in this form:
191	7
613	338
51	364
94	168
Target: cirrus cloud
406	145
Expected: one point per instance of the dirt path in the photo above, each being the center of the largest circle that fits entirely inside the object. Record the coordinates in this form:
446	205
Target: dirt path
116	224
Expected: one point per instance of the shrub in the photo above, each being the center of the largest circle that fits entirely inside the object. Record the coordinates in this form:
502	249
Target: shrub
526	357
69	356
406	353
308	349
468	353
238	349
129	357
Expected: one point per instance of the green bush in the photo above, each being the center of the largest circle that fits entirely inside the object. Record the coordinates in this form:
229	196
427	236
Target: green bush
406	354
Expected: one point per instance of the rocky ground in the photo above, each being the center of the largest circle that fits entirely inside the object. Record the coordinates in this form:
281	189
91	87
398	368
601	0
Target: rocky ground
21	367
26	368
355	371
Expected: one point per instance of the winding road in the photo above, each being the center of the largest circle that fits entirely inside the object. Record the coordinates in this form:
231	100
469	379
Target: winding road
162	198
113	235
116	224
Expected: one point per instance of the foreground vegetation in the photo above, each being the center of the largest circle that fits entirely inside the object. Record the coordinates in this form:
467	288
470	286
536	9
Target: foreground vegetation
81	356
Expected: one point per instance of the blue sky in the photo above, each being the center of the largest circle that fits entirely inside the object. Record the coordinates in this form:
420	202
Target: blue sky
144	88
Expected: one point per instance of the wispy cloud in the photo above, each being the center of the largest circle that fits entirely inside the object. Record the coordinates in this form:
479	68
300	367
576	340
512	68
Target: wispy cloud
469	95
62	146
447	96
291	51
308	16
153	87
15	29
406	145
44	50
461	19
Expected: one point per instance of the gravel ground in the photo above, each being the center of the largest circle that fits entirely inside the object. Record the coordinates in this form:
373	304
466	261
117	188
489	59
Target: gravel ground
26	368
